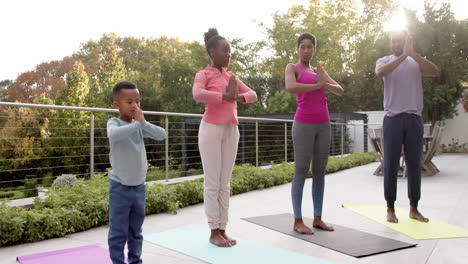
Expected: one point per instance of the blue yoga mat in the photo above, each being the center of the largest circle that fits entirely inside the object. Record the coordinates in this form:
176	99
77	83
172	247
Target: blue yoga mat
193	241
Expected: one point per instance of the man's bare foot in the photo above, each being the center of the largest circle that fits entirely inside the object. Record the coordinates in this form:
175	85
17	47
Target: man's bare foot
223	233
391	216
218	240
300	227
320	224
415	214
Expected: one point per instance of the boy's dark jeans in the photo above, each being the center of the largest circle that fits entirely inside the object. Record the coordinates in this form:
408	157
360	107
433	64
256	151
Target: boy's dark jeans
407	130
126	216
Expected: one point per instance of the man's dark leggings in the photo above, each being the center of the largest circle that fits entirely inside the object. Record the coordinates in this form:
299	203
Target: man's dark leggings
407	130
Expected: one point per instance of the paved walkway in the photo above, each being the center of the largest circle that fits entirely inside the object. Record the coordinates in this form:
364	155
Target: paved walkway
444	197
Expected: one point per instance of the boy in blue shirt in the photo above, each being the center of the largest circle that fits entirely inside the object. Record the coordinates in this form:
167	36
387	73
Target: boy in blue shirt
127	177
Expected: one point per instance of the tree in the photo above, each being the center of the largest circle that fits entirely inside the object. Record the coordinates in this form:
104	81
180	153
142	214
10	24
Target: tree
282	102
4	90
76	89
176	87
21	144
247	63
111	70
441	39
69	128
336	27
47	78
332	23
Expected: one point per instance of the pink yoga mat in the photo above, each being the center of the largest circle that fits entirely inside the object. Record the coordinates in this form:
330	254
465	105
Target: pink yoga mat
93	254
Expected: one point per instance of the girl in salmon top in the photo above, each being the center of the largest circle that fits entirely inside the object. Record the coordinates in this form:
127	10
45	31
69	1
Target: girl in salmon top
311	129
218	135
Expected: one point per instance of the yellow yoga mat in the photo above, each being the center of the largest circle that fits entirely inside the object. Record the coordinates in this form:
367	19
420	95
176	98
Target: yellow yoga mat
433	229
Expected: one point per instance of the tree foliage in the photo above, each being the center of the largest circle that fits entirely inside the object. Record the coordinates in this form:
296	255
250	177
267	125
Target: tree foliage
443	40
4	90
47	78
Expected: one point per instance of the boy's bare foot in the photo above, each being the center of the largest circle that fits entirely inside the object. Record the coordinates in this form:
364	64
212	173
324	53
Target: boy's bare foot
300	227
320	224
391	216
225	236
218	240
415	214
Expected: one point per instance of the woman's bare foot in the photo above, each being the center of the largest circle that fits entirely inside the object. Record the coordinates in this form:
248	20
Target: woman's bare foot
415	214
300	227
225	236
218	240
320	224
391	217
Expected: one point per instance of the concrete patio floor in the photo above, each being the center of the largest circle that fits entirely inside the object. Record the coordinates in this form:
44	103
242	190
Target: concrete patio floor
444	197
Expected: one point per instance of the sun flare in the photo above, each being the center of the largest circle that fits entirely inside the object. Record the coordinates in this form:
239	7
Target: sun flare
397	22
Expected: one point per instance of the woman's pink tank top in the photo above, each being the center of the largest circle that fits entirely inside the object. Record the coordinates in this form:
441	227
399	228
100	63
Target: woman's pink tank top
312	107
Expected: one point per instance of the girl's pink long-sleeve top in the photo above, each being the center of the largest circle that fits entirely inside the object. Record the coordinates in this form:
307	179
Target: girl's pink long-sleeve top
209	86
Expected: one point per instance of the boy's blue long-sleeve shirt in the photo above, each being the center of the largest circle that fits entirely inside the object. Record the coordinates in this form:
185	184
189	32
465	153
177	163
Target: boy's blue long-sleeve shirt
127	149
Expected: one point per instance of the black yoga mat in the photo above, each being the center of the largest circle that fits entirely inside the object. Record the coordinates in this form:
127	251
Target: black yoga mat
345	240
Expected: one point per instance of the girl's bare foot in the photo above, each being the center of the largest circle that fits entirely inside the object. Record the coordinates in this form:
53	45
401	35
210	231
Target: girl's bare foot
218	240
300	227
391	216
415	214
225	236
320	224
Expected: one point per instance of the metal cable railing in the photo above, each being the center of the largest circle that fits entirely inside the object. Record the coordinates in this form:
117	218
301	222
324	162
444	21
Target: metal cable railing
42	147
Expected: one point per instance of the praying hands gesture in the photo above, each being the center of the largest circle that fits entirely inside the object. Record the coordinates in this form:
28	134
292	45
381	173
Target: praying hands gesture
408	49
139	115
323	79
321	75
232	91
427	68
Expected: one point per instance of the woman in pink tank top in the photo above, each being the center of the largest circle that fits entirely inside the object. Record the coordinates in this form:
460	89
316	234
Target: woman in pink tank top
311	129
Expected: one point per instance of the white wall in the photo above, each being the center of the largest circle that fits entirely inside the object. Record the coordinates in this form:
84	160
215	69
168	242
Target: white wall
375	119
457	127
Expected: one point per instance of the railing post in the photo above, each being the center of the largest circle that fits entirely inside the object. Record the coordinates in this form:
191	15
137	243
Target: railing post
91	146
365	139
242	137
184	150
256	143
342	140
167	148
354	138
333	138
285	142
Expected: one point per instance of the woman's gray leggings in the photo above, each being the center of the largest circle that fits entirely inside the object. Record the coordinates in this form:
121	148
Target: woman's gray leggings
311	144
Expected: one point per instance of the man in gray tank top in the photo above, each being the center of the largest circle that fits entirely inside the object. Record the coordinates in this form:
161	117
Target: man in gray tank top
403	125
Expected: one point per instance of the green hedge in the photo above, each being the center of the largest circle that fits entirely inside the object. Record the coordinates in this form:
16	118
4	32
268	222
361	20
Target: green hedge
6	195
85	205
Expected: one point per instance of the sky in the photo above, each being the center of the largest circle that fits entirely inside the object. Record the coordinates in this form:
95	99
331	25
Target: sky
36	31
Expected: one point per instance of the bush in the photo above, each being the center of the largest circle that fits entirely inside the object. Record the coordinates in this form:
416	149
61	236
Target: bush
6	195
12	224
66	180
85	205
189	192
30	188
47	181
88	197
155	174
454	147
160	198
